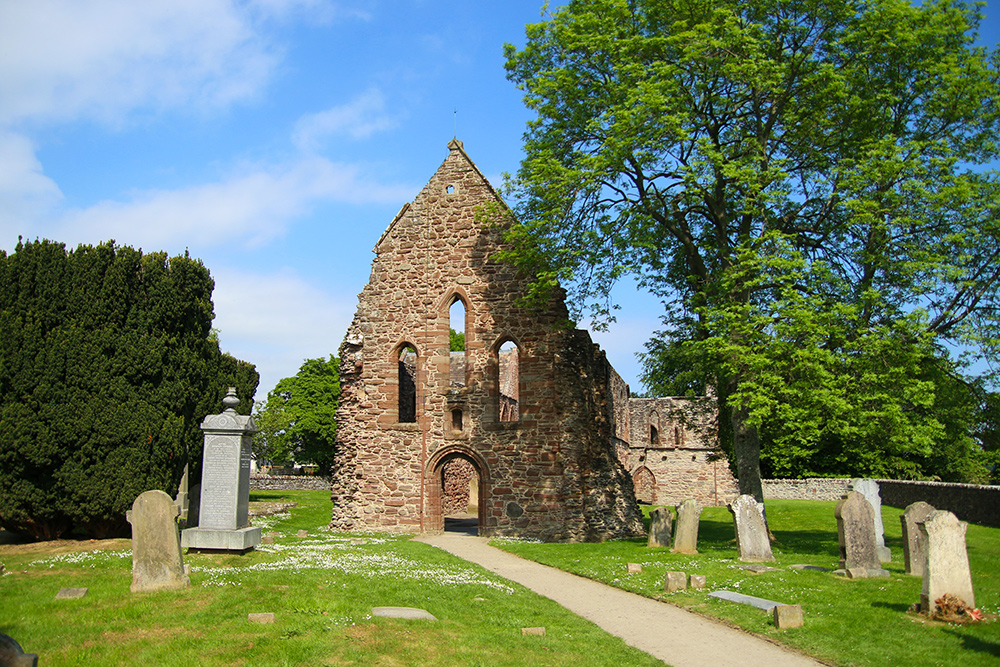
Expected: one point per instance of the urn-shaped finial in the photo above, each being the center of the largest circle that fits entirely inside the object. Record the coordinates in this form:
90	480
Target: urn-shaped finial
231	401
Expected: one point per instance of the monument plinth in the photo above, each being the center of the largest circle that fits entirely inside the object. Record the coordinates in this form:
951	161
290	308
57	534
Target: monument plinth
223	518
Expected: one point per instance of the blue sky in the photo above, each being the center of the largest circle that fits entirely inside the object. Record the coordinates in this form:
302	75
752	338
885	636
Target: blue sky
273	139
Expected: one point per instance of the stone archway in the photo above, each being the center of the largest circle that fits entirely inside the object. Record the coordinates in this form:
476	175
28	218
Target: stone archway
644	483
448	476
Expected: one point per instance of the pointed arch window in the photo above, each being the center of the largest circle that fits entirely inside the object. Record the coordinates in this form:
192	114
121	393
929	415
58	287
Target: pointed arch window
508	382
407	385
458	360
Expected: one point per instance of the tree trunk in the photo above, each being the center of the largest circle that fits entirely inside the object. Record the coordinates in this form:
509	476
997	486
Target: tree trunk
746	447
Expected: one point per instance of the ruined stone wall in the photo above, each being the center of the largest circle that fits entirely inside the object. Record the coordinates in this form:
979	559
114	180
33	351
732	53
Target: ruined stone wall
673	451
550	473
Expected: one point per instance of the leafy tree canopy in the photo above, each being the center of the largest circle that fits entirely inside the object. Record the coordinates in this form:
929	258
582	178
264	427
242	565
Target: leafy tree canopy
456	340
298	420
107	368
803	181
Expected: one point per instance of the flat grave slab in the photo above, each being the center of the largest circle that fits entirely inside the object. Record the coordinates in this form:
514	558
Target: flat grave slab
403	612
71	593
759	603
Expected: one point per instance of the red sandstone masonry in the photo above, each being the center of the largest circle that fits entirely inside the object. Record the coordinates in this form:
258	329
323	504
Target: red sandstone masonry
553	474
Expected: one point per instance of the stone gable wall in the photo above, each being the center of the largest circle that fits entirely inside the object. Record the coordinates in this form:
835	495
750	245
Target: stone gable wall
552	474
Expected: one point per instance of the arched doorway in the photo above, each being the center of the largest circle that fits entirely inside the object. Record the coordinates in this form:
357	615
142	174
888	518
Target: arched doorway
456	488
645	485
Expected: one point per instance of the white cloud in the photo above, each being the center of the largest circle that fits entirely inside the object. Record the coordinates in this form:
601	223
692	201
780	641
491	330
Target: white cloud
248	208
277	320
65	59
358	119
25	192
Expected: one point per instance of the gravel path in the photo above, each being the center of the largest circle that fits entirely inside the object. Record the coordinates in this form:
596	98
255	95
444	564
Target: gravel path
677	637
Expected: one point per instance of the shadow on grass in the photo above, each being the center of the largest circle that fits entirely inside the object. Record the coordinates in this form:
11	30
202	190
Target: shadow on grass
820	543
900	607
971	643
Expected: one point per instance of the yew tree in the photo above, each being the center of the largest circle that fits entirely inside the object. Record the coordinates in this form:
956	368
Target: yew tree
107	367
805	183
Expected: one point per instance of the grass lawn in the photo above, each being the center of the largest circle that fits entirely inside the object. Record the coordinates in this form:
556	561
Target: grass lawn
847	622
321	588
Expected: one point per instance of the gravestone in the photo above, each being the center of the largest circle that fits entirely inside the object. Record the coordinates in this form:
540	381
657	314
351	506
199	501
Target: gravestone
752	541
224	501
156	545
870	490
856	535
913	541
946	561
686	534
660	526
12	655
674	581
787	616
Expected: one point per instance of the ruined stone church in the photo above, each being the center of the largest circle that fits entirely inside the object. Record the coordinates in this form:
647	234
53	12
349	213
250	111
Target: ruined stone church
529	426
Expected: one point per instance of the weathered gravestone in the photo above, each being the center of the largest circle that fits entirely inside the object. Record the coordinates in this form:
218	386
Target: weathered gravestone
856	535
661	522
913	541
752	541
870	490
686	534
12	655
156	545
223	514
946	561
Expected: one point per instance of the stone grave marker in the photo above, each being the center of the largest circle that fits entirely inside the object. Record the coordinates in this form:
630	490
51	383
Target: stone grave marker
856	535
913	541
751	530
411	613
946	561
788	616
870	490
262	618
156	546
740	598
634	568
224	501
686	534
537	632
71	593
661	522
674	581
12	655
697	581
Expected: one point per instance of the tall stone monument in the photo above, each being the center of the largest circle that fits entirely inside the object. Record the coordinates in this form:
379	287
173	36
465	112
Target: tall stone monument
156	548
752	540
946	561
870	490
223	516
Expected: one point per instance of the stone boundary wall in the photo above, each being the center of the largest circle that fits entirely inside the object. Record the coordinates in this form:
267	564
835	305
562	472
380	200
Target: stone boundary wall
969	502
288	483
817	488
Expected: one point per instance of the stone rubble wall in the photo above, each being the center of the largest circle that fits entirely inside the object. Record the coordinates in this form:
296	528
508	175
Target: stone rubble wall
288	483
684	461
817	488
969	502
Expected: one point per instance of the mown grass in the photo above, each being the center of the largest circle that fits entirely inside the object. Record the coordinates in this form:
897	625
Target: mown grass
847	622
321	588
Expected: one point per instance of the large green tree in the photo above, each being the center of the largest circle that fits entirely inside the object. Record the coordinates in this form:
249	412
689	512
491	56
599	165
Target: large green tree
801	180
298	420
106	371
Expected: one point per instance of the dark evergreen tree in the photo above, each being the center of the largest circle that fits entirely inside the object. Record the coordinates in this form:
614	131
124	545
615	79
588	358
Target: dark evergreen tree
107	368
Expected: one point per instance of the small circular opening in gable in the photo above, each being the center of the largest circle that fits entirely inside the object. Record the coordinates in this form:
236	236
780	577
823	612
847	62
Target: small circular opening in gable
450	189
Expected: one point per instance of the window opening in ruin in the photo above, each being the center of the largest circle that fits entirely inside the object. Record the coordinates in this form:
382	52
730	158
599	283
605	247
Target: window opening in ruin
407	385
654	436
457	356
509	382
460	495
450	189
456	420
